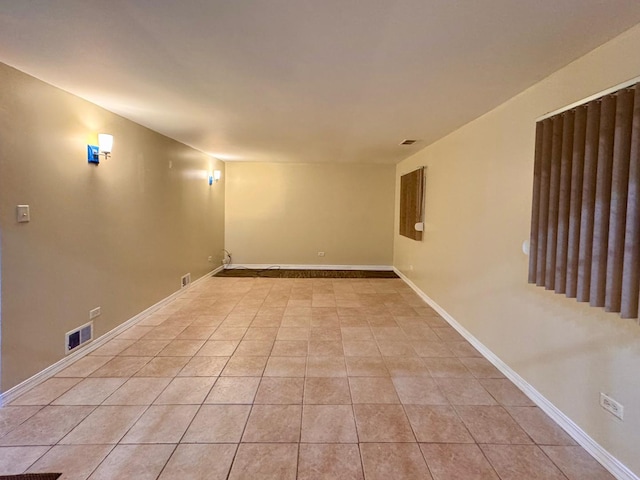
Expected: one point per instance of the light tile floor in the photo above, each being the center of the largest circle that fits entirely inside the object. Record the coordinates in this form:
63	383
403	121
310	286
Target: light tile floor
284	379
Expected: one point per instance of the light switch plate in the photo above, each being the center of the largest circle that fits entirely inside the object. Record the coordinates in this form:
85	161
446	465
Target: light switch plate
22	213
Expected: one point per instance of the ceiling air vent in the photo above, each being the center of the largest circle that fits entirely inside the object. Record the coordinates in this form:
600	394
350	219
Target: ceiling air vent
408	142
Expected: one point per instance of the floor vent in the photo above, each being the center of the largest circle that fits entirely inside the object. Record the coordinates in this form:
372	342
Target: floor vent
186	280
408	142
78	337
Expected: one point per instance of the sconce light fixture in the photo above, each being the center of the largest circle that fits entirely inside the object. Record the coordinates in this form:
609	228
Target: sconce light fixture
105	143
214	176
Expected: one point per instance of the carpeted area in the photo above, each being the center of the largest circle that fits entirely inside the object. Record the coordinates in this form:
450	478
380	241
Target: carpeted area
292	273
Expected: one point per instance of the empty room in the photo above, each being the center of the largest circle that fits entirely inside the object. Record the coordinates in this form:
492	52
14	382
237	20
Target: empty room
320	240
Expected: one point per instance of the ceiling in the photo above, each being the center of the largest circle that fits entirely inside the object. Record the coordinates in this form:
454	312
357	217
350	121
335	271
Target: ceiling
303	80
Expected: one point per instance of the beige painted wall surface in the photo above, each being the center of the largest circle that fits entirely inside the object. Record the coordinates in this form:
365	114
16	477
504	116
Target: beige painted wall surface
478	206
119	235
280	213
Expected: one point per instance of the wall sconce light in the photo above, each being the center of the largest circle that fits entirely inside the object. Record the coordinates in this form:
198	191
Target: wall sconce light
105	144
214	176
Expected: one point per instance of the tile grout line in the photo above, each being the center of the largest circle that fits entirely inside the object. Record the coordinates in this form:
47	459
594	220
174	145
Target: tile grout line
246	422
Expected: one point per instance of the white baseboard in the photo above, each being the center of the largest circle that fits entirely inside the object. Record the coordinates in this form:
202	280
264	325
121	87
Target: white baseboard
60	365
608	461
264	266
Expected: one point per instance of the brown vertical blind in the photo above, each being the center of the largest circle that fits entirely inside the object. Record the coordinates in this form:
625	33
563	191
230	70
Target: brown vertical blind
575	201
411	203
562	251
631	256
585	218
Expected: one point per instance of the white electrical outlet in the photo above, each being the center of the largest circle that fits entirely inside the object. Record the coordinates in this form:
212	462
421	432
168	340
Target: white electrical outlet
210	259
321	254
95	312
611	406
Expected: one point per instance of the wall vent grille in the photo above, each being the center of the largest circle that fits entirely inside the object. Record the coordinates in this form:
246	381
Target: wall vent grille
78	337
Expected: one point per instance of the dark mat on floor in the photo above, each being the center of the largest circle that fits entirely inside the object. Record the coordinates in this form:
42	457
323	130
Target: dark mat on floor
31	476
289	273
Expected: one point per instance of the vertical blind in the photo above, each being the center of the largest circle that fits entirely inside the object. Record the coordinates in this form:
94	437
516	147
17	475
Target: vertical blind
585	220
411	203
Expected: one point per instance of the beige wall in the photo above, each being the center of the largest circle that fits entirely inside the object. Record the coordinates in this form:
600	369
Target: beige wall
118	236
478	205
283	213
